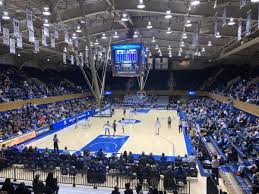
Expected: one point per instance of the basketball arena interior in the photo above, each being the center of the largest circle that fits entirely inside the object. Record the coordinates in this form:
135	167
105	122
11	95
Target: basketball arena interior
129	96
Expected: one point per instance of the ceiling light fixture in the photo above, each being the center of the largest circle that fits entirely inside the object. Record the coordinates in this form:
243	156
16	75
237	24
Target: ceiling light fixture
135	34
46	11
78	29
184	36
141	4
231	22
1	2
188	23
169	31
182	44
65	50
149	25
124	17
169	47
96	42
153	39
115	35
195	2
104	36
156	47
74	36
218	35
5	16
168	14
147	49
203	49
209	43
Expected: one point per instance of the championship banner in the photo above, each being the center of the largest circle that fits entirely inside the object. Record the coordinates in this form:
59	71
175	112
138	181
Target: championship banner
86	56
16	27
248	23
52	40
65	58
66	37
239	31
56	33
36	46
242	3
72	59
29	19
6	36
46	30
19	40
76	42
44	39
77	58
216	24
12	45
31	36
224	17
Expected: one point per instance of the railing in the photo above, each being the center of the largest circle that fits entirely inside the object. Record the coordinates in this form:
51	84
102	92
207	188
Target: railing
109	180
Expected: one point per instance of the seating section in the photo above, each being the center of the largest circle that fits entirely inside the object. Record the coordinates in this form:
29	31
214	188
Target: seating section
28	83
32	117
233	135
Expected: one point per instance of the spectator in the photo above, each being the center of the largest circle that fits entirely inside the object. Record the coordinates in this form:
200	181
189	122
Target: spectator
38	185
22	189
51	184
128	190
116	190
139	189
215	168
8	186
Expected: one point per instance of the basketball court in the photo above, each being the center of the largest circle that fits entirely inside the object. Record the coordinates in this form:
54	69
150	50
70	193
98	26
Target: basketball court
140	135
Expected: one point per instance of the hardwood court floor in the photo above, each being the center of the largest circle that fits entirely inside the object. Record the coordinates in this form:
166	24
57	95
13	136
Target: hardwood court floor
142	136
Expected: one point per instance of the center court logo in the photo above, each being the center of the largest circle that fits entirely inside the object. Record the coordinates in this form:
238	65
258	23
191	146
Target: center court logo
130	121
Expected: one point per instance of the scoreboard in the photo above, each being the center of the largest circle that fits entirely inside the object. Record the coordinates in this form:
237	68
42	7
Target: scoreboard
128	59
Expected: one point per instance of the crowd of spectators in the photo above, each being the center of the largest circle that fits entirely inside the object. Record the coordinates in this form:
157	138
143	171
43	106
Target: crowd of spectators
97	166
31	117
235	132
16	84
243	90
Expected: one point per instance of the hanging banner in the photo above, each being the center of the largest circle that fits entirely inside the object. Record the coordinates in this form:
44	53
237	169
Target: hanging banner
6	36
12	45
16	27
86	56
31	36
72	59
46	30
44	39
239	30
29	19
224	17
65	58
56	33
242	3
36	46
0	25
257	15
19	41
248	23
66	37
216	24
52	40
81	57
76	43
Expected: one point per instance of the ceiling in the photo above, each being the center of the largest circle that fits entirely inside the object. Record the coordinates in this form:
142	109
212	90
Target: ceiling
104	16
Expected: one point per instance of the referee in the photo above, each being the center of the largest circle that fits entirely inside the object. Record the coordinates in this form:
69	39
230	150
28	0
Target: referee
56	141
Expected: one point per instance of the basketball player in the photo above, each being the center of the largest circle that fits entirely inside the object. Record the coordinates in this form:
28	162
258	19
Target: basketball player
87	122
56	141
131	114
157	125
169	122
107	128
114	126
124	112
76	121
123	124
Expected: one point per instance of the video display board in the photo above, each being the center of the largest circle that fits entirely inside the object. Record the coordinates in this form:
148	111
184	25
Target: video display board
128	59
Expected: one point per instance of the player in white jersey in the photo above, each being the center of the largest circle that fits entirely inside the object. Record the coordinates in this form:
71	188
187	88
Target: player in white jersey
157	125
123	124
87	122
106	128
